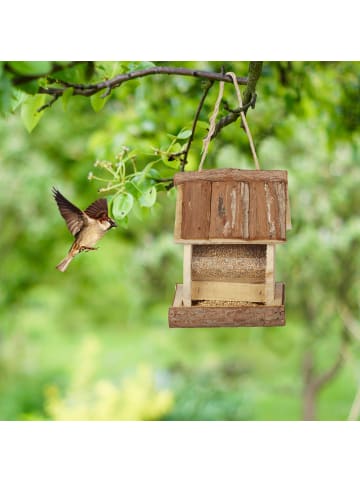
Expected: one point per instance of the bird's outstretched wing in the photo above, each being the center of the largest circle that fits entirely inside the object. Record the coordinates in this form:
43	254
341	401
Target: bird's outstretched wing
73	216
98	209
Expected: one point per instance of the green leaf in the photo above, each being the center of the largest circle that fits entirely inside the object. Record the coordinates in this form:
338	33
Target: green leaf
141	65
154	173
148	198
175	164
98	102
203	124
76	73
5	95
175	148
184	134
66	96
110	69
122	205
31	68
31	87
29	111
140	184
18	97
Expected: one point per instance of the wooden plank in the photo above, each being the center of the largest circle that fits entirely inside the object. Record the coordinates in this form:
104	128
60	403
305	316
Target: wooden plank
187	275
267	211
196	210
240	175
214	317
178	297
279	190
270	275
288	210
231	317
228	291
258	224
279	294
229	216
229	241
178	212
243	263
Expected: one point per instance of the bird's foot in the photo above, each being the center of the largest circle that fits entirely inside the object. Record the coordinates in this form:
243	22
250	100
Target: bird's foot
86	248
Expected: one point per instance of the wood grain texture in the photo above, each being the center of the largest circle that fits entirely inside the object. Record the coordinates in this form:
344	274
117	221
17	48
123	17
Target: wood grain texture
187	275
288	210
178	296
214	317
256	210
270	275
279	294
229	210
267	216
279	300
229	262
216	241
228	291
178	212
240	175
196	210
200	316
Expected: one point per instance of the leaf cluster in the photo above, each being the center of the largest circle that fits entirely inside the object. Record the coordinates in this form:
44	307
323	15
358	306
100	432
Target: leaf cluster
134	189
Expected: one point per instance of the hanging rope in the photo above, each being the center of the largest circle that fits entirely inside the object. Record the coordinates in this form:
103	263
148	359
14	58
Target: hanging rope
213	122
212	125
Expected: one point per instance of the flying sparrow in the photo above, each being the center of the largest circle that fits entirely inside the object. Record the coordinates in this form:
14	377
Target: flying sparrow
87	226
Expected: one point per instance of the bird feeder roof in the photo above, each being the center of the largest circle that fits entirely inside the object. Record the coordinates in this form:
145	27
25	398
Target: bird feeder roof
231	206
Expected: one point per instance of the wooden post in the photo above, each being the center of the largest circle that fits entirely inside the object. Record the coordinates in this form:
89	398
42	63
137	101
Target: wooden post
288	212
270	275
178	212
187	274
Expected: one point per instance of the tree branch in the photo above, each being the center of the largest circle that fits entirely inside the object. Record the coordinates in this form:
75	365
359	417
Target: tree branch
183	154
53	99
88	90
196	118
355	407
249	97
325	377
255	69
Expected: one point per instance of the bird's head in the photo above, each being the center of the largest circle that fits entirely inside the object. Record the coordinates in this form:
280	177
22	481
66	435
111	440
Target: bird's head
107	223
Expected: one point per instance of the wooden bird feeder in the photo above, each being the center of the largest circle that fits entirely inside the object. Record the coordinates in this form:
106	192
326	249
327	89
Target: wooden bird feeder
229	221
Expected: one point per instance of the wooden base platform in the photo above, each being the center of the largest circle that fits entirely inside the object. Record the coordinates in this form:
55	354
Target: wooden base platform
217	314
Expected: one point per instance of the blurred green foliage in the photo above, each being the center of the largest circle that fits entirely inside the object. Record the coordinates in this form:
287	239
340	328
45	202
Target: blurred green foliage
93	343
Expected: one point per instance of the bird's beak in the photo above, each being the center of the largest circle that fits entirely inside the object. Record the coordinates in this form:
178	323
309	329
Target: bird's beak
113	223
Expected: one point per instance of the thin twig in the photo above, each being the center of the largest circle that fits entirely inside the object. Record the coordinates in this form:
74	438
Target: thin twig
196	118
88	90
320	380
254	73
50	103
244	108
350	324
325	377
106	93
355	407
233	116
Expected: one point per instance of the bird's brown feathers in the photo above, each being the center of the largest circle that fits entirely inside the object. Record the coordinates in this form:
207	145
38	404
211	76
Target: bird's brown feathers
75	218
98	209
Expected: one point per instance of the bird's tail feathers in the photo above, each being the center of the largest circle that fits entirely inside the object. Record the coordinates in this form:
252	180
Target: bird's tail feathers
64	263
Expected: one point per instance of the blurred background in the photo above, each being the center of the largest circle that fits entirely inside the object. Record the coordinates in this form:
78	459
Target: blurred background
94	344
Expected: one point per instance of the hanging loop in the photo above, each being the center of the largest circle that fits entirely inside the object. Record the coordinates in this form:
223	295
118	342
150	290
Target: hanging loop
213	122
